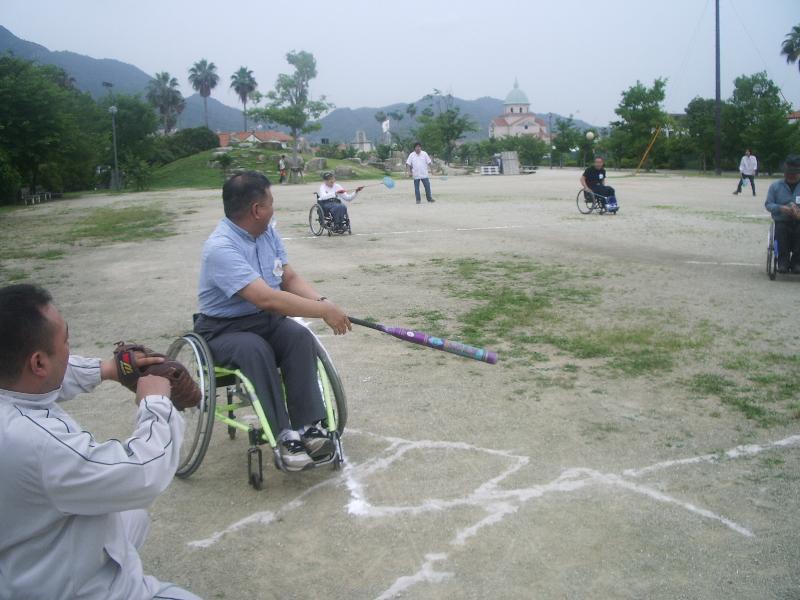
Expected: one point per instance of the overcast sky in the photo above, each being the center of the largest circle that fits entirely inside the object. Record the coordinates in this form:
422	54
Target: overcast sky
570	56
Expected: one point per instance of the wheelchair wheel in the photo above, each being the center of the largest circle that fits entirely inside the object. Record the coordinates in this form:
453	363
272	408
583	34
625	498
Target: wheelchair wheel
586	202
772	254
192	351
316	220
340	404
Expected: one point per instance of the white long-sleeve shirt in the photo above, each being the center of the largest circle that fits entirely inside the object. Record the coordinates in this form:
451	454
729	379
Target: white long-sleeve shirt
327	192
748	165
62	492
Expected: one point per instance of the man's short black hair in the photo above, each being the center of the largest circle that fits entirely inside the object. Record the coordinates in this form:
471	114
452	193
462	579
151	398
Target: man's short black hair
417	144
23	327
242	190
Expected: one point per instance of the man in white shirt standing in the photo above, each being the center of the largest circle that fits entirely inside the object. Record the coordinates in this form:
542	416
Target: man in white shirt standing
748	167
418	162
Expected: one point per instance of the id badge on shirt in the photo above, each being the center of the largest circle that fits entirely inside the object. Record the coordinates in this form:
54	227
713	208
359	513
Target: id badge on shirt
277	269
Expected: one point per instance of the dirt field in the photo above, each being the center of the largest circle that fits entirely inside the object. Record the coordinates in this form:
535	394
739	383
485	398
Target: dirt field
640	437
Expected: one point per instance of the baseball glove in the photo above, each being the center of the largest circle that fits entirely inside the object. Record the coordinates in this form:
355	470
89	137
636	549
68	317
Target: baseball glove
184	391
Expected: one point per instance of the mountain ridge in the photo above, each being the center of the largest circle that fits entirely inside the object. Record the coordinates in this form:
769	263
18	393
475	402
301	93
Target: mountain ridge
340	125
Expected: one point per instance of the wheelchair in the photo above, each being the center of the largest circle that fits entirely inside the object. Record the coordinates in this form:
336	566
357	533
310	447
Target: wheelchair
320	221
588	201
193	351
772	253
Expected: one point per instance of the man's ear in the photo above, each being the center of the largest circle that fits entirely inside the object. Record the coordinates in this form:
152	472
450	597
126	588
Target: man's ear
38	363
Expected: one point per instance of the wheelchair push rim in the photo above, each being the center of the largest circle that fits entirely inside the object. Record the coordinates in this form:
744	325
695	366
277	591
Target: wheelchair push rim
772	254
192	350
586	202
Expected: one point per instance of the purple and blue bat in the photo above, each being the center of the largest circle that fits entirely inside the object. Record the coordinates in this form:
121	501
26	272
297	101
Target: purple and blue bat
423	339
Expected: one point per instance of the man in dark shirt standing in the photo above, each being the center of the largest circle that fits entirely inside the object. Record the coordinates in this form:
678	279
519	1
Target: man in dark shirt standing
594	179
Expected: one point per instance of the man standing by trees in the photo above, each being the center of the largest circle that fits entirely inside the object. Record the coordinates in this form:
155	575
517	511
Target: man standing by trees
417	163
748	167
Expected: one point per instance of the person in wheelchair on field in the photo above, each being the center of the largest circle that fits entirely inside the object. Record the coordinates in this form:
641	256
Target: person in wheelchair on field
594	180
247	289
783	203
331	198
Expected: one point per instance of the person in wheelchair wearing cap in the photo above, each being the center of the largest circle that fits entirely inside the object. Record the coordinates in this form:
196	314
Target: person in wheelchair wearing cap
783	203
331	196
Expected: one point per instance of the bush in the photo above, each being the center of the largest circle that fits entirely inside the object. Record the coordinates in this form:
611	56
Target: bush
139	174
183	143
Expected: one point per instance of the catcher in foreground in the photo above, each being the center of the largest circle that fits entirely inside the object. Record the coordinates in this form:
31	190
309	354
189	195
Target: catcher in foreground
74	513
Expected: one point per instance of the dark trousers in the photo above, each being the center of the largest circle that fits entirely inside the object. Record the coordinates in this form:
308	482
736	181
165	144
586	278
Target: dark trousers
741	181
260	344
427	184
788	235
336	209
603	190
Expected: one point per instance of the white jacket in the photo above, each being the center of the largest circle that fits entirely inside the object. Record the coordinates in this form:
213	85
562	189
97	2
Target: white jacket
62	493
748	165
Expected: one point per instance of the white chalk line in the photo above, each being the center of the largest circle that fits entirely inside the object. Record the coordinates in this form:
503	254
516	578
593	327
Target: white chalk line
413	231
720	264
497	502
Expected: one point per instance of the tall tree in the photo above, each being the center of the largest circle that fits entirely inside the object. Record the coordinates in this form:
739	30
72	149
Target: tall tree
164	95
443	127
290	103
759	115
701	127
565	139
203	77
641	113
380	117
791	46
244	84
50	133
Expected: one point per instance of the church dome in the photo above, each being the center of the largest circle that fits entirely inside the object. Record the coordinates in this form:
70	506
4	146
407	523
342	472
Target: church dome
516	96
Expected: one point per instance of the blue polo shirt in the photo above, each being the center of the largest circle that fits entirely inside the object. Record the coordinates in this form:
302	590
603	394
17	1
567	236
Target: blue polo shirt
780	194
232	259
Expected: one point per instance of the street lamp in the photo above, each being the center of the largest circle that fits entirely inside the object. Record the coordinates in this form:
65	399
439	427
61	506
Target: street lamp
115	176
550	136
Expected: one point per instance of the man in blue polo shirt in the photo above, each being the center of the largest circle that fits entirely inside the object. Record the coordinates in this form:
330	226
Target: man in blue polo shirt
783	203
247	289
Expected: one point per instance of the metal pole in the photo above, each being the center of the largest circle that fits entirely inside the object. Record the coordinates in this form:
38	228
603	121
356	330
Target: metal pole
718	110
550	136
113	111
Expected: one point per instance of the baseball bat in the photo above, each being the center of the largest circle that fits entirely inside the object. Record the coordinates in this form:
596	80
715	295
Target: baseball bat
423	339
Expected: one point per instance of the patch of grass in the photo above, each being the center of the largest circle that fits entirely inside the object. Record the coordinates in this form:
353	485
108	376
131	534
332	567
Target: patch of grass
131	223
13	275
758	401
428	320
715	215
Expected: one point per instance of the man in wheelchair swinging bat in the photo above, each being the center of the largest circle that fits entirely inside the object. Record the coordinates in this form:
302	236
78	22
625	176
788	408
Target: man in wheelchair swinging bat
594	180
247	289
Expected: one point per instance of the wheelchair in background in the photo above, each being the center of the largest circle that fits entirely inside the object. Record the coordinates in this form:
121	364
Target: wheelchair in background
193	351
321	220
588	202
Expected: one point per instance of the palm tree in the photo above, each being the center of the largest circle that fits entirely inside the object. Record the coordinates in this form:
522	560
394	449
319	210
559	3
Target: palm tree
203	77
791	46
244	84
164	95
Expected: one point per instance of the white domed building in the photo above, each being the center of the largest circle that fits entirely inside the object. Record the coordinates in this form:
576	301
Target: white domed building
517	119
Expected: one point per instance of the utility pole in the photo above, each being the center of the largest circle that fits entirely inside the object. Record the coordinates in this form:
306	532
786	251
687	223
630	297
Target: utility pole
113	111
718	110
550	136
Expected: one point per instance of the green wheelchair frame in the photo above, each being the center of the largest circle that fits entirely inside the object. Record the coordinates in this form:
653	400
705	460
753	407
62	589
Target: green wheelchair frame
193	351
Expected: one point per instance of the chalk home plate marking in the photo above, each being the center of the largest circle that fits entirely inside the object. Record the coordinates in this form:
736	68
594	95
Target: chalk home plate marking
498	503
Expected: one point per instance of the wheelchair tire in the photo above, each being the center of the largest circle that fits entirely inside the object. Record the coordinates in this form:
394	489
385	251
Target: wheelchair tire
586	202
316	220
772	255
336	384
191	350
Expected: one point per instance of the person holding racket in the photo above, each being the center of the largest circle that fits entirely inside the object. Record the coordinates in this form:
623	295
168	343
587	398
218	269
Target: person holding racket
418	163
330	197
247	288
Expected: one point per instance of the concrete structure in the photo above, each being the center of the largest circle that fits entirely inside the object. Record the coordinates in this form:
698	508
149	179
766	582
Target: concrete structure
277	138
517	119
361	143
